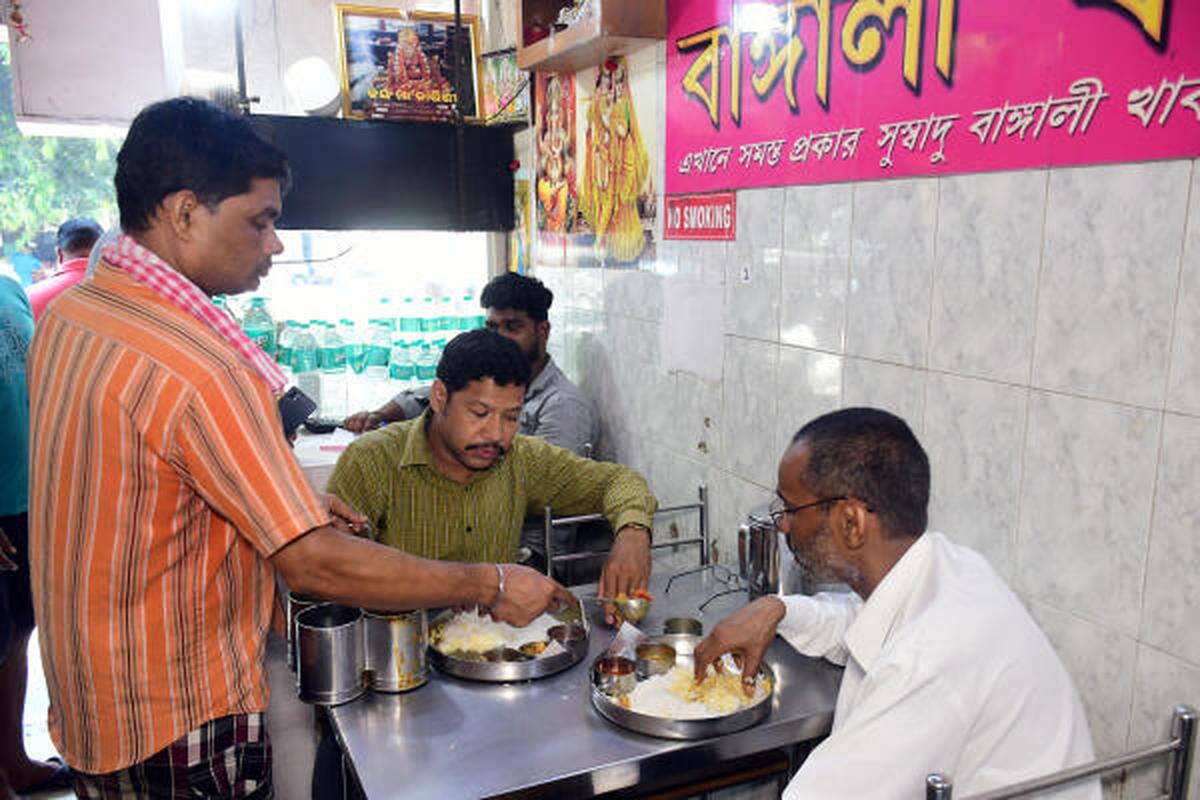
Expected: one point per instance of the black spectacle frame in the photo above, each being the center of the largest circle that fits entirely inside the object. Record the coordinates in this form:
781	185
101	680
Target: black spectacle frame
778	511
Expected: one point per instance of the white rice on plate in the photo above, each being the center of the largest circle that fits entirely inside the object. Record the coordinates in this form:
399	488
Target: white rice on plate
467	632
675	694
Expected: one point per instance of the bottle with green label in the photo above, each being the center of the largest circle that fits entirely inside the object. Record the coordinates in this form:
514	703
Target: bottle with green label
306	362
258	325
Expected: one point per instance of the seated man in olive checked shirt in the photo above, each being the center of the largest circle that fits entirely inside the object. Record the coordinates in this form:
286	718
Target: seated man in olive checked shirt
457	482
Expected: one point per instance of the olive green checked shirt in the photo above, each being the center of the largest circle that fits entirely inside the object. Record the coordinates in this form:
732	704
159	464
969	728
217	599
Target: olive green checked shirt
388	475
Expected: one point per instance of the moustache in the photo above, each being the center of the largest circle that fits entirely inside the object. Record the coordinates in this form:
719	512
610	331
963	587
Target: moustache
500	449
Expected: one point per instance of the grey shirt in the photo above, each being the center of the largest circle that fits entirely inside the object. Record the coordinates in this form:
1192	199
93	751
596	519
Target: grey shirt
555	410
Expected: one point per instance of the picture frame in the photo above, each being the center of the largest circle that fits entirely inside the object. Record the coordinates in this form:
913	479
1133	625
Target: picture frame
506	89
398	65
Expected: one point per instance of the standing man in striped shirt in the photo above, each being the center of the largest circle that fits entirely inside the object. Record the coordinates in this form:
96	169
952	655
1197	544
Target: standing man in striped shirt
162	492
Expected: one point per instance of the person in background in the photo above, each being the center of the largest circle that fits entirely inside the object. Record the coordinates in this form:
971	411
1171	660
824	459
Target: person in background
945	669
457	481
555	409
73	245
18	772
154	575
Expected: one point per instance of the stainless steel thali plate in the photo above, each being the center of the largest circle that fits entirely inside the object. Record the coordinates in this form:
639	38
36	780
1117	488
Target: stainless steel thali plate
509	664
670	728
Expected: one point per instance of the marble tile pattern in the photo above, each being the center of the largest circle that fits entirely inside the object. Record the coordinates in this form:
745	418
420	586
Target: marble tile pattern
1172	583
891	268
986	274
816	264
1161	682
975	461
1183	388
1037	329
752	266
1085	507
900	390
809	384
748	402
1101	666
1109	275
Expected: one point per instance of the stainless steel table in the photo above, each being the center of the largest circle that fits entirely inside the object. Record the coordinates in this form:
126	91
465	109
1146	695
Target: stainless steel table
458	739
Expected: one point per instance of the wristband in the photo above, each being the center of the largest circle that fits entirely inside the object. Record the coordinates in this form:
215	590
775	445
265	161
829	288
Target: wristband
499	589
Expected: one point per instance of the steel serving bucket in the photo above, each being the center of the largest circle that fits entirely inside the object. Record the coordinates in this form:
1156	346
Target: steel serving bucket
766	563
329	652
295	604
395	650
758	553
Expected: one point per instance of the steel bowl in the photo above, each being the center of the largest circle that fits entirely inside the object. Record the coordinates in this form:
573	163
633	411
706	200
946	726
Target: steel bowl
633	609
688	625
614	676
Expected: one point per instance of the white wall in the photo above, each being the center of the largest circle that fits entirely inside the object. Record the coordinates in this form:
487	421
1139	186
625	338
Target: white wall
1038	329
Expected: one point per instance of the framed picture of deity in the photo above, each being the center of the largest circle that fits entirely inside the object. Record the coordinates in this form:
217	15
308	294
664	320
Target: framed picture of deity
505	89
399	65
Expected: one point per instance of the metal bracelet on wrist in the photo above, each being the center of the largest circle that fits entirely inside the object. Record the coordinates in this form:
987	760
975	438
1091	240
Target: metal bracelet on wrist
499	589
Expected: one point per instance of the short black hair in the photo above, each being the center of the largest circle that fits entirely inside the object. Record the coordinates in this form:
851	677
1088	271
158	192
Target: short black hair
78	233
511	290
874	456
482	353
187	143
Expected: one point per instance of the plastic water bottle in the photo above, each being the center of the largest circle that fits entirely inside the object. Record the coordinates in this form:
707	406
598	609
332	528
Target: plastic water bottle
401	371
379	348
429	321
447	320
222	302
306	363
410	322
283	349
425	361
355	343
258	325
333	374
467	313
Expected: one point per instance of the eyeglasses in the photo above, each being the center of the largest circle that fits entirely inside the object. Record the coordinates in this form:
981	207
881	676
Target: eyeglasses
778	510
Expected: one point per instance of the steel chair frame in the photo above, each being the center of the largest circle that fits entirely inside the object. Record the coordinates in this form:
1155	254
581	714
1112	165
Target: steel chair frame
1177	750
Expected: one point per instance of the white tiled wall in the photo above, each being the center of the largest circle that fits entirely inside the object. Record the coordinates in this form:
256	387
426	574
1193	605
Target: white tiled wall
1039	330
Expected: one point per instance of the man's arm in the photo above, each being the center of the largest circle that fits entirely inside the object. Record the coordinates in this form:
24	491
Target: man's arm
815	626
573	485
406	405
333	565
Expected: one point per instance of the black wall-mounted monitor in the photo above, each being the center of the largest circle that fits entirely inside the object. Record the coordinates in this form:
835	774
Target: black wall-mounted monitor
351	175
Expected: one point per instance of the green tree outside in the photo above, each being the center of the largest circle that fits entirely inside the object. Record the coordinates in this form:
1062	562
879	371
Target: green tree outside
45	180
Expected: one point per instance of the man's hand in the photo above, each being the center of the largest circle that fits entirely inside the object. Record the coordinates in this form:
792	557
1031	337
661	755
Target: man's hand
746	633
6	552
527	594
345	518
627	568
362	421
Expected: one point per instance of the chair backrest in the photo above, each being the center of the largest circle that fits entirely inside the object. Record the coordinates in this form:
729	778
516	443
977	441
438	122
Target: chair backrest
550	522
1177	750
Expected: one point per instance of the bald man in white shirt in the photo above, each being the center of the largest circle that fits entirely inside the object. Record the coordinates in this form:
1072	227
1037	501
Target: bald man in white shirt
945	669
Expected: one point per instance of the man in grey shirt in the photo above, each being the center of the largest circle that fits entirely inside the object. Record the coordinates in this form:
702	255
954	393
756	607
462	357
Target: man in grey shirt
555	409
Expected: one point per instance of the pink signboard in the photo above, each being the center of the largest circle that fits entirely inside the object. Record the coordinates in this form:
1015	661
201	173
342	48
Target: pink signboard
815	91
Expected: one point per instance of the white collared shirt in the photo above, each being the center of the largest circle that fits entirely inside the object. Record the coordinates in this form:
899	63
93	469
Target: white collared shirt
945	672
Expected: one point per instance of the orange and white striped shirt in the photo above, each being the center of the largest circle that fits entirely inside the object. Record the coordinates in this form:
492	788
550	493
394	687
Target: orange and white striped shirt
160	484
